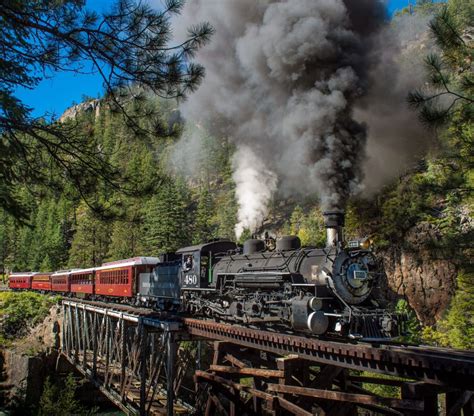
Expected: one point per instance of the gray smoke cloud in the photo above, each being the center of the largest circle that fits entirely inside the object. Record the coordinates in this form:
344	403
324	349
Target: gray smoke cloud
396	138
282	79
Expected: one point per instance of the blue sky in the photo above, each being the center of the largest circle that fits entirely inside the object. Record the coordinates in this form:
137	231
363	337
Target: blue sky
54	95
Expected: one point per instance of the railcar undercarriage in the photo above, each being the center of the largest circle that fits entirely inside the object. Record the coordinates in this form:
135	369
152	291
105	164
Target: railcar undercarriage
295	309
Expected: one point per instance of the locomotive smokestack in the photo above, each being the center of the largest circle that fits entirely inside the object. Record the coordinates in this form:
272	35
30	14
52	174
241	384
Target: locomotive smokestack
334	223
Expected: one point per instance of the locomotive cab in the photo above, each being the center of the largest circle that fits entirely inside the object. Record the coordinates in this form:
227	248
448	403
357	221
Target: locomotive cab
197	263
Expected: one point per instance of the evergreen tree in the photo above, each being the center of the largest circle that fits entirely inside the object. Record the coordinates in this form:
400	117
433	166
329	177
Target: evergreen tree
456	329
91	240
21	259
55	246
126	46
463	11
60	400
126	240
5	240
450	89
225	203
204	228
39	235
166	224
226	214
46	265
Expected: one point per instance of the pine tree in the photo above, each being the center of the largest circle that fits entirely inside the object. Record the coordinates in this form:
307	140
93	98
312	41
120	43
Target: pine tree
91	240
166	224
225	203
40	235
204	228
126	240
60	401
21	259
46	265
450	86
127	46
54	244
6	231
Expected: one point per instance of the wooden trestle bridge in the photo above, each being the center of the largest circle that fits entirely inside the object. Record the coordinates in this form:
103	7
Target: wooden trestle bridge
152	365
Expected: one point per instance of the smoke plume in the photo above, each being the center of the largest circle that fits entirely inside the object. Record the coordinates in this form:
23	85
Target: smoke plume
282	78
396	138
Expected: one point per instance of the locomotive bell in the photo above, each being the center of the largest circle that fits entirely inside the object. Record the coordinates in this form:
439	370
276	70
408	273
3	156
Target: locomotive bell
334	223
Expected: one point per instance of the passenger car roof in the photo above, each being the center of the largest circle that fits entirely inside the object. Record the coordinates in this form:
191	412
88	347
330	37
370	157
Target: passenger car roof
135	261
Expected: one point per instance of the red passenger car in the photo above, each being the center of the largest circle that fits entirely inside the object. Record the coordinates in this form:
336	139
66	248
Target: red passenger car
41	281
82	281
121	278
60	281
20	280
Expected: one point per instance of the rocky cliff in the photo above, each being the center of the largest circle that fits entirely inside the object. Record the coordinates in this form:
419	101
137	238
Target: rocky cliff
25	365
85	107
426	280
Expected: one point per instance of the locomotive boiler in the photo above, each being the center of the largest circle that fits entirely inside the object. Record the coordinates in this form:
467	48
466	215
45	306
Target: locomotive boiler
314	290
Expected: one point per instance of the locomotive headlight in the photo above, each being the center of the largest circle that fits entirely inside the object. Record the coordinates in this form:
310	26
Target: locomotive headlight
365	243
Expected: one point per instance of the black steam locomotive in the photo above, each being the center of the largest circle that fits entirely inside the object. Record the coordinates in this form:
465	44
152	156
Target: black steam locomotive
317	291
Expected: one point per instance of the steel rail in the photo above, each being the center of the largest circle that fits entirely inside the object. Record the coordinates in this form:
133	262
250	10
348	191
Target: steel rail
437	366
432	366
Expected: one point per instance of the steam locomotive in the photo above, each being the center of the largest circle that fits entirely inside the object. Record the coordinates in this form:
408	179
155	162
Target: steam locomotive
311	290
327	291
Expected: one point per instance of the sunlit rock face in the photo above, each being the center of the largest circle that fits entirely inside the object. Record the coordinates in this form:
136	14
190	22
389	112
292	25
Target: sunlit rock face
91	106
422	274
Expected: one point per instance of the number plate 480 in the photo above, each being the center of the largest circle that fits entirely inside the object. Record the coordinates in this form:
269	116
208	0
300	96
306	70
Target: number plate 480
190	279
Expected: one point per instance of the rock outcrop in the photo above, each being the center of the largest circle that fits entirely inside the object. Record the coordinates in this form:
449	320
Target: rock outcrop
85	107
26	364
421	274
23	377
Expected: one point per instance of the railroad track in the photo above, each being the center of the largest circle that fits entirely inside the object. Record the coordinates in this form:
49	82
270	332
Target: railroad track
433	365
439	366
118	307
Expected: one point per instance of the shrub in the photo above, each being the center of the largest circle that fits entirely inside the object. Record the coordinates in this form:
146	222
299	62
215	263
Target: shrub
20	311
